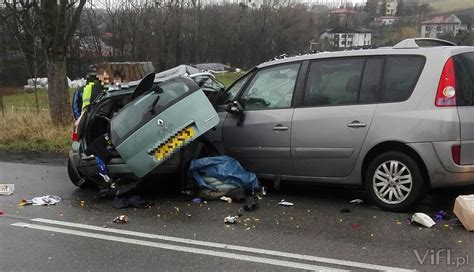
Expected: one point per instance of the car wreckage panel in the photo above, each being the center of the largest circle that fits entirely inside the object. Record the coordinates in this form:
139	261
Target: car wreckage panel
185	119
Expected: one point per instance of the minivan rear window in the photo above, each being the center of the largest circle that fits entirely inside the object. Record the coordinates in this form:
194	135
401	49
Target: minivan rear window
400	77
464	66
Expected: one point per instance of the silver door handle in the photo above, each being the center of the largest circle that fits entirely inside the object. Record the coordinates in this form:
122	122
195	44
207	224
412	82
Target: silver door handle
279	128
356	124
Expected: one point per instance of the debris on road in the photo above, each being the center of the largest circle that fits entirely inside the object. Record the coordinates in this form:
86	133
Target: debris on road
226	199
285	203
82	203
464	210
441	215
356	201
355	226
344	210
237	195
251	205
7	189
1	213
133	201
423	219
231	219
46	200
25	202
219	172
197	200
122	219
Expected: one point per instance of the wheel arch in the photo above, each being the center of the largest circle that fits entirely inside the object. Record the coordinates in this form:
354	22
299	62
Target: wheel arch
394	146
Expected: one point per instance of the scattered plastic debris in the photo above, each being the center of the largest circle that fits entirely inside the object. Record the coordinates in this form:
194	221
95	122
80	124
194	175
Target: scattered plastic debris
356	201
226	199
464	211
7	189
355	226
46	200
197	200
231	219
122	219
25	202
423	220
285	203
105	226
188	215
344	210
441	215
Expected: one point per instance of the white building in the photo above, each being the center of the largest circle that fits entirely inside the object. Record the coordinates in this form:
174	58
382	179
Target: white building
341	38
385	20
440	25
391	8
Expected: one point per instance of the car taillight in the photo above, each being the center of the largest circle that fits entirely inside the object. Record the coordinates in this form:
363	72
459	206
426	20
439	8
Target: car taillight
456	153
75	137
446	94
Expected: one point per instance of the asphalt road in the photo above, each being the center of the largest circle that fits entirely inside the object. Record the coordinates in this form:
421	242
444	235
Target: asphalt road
177	234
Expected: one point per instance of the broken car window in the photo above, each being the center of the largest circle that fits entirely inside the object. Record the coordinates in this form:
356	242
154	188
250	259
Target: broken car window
271	88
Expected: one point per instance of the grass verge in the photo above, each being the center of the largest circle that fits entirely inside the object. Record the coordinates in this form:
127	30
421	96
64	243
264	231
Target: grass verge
30	131
228	78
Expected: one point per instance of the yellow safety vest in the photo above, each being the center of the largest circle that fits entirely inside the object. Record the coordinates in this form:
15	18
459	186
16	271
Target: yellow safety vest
86	95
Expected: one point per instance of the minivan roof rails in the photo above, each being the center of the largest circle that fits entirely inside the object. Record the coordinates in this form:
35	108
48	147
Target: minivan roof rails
412	43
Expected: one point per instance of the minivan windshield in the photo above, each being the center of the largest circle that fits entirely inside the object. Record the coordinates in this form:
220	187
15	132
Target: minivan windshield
145	107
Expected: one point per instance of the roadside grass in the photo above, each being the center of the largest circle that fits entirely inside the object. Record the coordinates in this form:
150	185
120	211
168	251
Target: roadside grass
451	5
31	131
228	78
25	100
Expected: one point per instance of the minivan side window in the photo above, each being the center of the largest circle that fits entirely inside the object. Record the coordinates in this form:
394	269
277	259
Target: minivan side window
464	66
334	82
271	88
369	91
400	77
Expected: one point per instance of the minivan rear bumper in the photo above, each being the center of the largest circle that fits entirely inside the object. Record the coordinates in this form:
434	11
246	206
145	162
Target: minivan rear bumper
441	168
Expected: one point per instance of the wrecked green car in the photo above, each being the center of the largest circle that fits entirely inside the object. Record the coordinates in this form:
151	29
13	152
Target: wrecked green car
143	127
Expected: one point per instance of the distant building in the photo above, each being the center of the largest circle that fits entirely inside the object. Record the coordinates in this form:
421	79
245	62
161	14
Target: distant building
390	7
440	25
341	38
385	20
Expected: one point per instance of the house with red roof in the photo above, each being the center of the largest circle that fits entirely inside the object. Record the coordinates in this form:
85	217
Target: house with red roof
440	25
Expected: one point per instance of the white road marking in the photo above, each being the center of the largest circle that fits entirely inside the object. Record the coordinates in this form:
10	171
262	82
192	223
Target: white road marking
222	246
179	248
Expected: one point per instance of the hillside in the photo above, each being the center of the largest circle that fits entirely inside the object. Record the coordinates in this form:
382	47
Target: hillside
443	6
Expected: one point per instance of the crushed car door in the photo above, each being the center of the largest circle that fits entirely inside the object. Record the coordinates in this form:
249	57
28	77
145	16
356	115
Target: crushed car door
261	140
156	124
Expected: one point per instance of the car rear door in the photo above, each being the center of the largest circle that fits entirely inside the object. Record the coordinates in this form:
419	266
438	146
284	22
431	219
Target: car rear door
262	142
159	122
464	67
338	105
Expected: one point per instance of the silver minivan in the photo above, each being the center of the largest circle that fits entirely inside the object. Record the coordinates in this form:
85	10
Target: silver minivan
397	120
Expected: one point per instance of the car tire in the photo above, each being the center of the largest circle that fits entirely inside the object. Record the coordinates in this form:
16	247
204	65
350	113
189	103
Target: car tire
75	177
394	181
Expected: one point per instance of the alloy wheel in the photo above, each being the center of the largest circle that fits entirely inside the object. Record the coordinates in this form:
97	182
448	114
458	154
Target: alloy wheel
392	182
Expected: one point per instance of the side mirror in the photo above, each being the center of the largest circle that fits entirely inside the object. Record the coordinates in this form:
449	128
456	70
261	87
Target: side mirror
234	108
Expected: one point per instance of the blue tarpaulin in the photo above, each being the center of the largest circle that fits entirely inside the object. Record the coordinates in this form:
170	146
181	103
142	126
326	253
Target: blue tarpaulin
223	168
